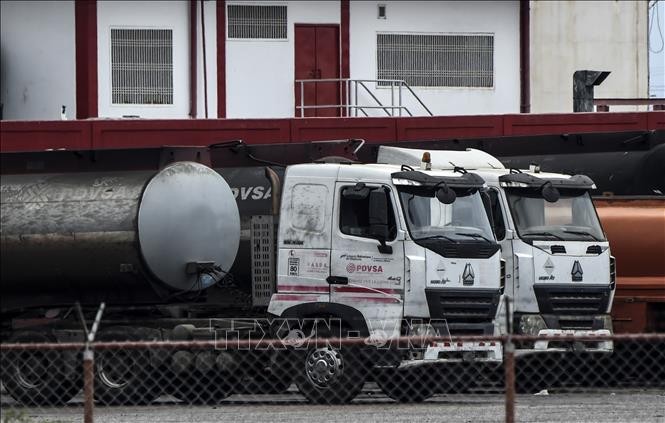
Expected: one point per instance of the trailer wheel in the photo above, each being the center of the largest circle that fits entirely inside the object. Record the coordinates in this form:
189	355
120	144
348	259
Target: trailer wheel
329	374
410	384
124	376
201	388
268	374
39	377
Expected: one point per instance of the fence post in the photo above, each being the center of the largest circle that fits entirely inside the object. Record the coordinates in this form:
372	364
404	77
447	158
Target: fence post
89	362
88	385
509	367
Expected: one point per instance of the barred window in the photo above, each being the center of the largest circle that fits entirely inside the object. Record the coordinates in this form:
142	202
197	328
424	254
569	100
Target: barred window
436	60
264	22
142	66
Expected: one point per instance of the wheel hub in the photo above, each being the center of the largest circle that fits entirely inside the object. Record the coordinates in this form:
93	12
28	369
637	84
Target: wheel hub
324	366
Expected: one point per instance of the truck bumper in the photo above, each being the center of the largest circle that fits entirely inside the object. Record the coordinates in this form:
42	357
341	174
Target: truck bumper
459	352
586	345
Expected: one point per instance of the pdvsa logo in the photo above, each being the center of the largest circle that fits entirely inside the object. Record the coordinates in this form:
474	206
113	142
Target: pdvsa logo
364	268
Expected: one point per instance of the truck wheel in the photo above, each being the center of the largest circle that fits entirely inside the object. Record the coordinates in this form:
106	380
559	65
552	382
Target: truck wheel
206	377
201	389
329	374
124	376
268	374
410	384
35	377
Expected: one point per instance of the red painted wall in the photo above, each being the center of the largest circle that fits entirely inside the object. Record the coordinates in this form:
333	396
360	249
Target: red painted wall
123	133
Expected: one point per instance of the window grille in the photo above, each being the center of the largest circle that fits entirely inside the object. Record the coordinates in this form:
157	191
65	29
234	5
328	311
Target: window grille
142	66
436	60
263	22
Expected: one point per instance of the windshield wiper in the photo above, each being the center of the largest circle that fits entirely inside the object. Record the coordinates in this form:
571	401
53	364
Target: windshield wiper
473	236
583	233
560	238
447	238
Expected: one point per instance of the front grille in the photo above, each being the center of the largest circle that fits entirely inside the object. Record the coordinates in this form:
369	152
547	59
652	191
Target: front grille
457	305
467	249
577	300
575	324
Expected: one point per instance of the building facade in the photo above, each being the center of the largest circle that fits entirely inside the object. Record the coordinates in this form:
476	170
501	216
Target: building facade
280	59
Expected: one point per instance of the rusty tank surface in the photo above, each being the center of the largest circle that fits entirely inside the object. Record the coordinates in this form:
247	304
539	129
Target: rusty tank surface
124	237
635	227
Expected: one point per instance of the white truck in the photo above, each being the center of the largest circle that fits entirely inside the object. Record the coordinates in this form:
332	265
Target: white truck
362	250
560	274
389	251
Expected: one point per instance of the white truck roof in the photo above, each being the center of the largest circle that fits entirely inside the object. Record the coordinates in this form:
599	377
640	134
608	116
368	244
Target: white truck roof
483	164
359	172
441	159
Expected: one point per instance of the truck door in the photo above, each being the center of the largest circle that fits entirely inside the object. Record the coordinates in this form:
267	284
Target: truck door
362	276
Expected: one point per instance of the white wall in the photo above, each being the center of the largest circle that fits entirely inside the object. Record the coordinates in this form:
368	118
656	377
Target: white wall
657	49
172	15
37	59
587	35
500	18
260	74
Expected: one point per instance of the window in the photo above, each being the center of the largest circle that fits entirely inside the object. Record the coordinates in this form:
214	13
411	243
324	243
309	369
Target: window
436	60
497	215
262	22
354	216
142	66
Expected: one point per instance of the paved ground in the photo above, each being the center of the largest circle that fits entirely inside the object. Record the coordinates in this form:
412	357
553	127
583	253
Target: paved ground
639	406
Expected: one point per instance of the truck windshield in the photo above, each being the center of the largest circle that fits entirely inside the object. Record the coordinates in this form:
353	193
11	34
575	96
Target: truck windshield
463	220
571	218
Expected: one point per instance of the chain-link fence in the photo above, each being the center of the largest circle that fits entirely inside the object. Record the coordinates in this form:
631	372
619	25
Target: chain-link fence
60	382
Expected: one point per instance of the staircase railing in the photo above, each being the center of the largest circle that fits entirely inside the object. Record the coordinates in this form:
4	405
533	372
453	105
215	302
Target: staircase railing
351	92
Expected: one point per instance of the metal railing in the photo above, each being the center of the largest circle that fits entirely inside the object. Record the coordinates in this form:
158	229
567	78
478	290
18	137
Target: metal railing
351	91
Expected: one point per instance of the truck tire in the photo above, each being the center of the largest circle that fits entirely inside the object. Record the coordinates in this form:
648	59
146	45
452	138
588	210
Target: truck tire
268	374
410	384
35	377
201	388
329	374
125	376
203	377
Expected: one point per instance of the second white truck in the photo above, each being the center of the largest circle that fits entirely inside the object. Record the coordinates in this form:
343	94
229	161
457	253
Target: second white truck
560	274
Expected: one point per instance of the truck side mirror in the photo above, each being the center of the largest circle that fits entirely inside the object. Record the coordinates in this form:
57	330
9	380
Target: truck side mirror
549	192
446	195
378	219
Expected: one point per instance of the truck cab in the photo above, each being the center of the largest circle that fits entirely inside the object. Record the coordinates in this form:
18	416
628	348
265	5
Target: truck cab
390	251
560	274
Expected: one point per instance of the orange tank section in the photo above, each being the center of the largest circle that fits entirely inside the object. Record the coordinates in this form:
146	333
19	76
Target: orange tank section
635	227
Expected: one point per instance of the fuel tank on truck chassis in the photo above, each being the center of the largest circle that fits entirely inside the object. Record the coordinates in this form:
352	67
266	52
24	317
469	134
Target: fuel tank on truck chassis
242	166
124	237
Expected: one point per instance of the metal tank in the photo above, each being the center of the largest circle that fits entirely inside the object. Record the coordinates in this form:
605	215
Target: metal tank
124	237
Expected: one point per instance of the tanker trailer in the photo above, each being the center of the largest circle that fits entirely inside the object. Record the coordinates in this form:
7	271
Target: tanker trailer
137	240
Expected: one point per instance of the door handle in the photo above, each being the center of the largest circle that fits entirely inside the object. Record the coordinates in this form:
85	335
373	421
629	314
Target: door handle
318	74
337	280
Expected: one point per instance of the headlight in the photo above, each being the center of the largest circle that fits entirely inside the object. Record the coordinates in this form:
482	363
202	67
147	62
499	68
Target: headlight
531	324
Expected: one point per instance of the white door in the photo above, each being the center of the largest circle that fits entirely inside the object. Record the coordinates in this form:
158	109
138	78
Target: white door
363	277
